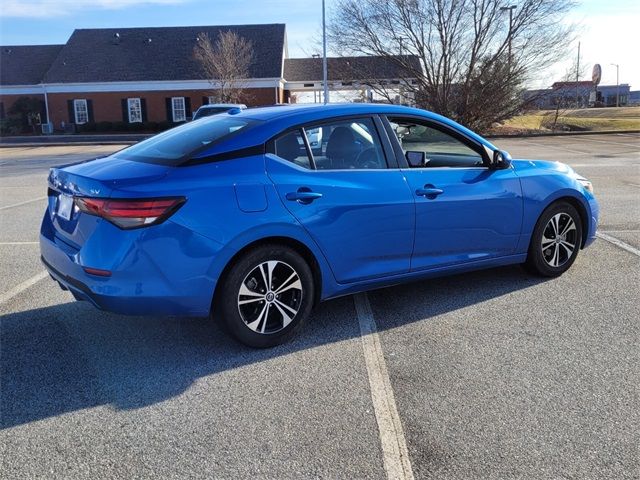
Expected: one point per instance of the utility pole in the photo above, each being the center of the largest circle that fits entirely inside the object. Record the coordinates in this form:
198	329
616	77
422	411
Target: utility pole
578	78
617	83
324	55
511	8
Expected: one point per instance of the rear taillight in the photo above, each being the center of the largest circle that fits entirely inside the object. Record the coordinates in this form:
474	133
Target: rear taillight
131	213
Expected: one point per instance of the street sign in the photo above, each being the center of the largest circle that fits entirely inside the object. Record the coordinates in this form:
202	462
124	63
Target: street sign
596	74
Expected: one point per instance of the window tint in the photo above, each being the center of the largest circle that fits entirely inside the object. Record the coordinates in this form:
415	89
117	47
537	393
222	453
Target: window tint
175	146
441	149
290	146
346	144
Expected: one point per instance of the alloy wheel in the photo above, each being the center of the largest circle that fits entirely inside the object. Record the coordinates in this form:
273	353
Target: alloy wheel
270	297
559	240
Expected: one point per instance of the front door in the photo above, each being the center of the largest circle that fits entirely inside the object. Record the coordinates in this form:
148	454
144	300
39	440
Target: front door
465	211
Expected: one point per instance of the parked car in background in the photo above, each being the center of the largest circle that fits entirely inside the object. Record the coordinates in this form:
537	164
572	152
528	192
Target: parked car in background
216	108
240	216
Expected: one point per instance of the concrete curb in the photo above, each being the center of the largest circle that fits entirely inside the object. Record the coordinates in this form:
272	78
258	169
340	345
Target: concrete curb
561	134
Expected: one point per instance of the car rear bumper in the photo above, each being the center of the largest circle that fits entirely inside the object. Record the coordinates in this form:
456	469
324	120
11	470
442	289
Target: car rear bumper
155	275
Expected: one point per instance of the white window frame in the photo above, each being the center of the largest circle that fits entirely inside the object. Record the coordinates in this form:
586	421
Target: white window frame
211	99
134	109
80	110
178	113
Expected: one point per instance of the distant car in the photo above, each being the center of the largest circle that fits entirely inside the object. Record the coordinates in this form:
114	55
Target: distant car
240	215
216	108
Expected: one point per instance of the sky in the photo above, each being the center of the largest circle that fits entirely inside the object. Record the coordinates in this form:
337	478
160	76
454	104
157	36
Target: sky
609	29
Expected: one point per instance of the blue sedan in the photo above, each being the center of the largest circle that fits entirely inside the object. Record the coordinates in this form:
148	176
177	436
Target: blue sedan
240	216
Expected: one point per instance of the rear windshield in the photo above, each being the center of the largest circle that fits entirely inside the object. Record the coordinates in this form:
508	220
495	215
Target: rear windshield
176	146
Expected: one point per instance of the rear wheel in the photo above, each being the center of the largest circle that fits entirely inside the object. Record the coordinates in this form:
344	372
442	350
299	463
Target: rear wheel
266	295
555	241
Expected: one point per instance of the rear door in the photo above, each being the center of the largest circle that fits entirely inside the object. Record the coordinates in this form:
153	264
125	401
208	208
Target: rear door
348	193
465	211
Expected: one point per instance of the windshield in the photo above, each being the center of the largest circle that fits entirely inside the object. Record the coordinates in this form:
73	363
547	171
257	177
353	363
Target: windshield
176	145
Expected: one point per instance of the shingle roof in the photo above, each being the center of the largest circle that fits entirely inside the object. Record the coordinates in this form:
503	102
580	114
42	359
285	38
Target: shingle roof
347	68
26	64
158	53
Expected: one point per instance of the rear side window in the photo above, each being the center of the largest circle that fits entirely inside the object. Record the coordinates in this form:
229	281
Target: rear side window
346	144
175	146
290	146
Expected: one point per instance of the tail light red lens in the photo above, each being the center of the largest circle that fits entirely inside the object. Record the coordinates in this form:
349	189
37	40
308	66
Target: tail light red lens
131	213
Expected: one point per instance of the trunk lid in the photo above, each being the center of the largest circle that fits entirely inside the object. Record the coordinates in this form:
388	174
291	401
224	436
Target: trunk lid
98	179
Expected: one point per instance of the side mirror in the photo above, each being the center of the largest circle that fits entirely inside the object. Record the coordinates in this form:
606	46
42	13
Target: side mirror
500	160
416	159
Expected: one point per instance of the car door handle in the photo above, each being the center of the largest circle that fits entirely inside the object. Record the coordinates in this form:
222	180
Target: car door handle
303	196
429	192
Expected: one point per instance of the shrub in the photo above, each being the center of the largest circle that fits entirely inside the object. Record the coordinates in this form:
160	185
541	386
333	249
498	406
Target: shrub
104	127
164	125
87	127
151	126
135	127
11	125
119	127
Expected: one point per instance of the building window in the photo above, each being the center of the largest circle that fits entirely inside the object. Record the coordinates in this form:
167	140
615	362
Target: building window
178	109
81	111
211	100
135	110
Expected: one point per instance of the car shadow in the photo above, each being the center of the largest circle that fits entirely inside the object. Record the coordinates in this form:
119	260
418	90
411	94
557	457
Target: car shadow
68	357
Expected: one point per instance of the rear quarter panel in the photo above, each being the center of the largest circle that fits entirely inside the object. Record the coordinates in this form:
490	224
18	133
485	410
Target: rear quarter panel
233	203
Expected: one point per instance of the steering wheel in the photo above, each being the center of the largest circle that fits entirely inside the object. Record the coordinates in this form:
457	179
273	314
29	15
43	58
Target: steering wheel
367	158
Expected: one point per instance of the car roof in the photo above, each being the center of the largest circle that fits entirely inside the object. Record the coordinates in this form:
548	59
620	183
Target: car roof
279	117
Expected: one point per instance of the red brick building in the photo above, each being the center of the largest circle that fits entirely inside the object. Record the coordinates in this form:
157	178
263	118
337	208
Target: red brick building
135	77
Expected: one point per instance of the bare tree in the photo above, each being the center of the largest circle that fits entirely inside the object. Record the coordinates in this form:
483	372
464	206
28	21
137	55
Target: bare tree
226	64
465	69
564	98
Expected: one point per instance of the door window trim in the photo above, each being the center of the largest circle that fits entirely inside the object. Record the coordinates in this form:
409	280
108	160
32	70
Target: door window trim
441	127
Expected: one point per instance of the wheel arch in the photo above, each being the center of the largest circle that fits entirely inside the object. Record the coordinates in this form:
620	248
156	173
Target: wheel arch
582	211
580	208
299	247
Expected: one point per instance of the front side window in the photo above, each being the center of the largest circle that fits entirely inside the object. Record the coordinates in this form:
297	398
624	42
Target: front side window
178	109
346	144
290	147
440	148
81	112
135	110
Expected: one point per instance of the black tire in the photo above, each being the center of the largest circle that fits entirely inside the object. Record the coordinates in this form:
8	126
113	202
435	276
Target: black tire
554	258
256	318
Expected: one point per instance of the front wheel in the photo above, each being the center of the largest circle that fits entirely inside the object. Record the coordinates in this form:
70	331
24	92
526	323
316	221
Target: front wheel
266	295
555	241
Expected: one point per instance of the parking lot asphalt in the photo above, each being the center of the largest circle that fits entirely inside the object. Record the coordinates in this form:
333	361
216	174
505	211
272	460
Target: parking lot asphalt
494	374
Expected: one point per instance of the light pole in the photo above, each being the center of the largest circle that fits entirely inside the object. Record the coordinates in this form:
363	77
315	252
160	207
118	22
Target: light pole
511	8
315	55
324	56
617	83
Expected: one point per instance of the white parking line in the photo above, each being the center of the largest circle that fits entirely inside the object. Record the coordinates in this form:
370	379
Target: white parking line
394	445
618	243
23	203
5	297
547	145
585	137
